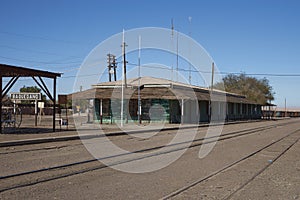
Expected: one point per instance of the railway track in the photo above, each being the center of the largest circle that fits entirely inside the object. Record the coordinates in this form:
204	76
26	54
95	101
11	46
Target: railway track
235	163
109	135
28	178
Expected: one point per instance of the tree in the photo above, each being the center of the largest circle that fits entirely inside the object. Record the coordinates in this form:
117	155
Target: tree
257	90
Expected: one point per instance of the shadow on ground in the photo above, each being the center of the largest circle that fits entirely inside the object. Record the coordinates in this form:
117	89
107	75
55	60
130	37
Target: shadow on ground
25	130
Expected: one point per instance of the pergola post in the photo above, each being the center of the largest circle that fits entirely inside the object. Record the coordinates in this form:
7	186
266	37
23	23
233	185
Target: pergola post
1	104
15	72
54	102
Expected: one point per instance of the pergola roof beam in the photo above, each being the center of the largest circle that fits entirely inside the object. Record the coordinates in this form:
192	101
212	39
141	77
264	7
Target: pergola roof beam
15	72
11	71
9	85
43	87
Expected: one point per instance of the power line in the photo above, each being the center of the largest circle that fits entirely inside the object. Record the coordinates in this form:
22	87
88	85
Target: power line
86	75
33	51
41	62
38	37
222	72
263	74
155	67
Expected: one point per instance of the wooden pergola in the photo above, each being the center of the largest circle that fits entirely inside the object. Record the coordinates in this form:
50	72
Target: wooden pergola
15	72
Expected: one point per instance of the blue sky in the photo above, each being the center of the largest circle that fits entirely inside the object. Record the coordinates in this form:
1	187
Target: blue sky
255	37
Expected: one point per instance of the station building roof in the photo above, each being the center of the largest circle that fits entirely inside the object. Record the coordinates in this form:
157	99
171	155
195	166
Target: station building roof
159	89
281	109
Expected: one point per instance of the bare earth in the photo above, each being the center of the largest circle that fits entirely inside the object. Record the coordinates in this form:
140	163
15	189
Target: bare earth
246	180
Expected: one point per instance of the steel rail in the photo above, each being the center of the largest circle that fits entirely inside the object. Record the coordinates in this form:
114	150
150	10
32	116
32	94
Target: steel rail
213	174
196	143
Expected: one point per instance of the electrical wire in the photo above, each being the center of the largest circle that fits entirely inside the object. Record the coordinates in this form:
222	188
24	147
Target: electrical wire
38	37
41	62
33	51
226	73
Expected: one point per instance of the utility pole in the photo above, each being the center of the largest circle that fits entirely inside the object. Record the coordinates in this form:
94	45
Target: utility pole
114	65
109	62
124	59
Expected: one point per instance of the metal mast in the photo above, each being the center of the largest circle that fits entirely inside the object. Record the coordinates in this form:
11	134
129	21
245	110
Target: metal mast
190	67
172	44
139	87
123	75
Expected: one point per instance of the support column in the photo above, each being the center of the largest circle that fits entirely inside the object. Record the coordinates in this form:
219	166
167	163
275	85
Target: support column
101	111
35	112
269	112
90	111
140	111
196	105
126	110
235	108
241	111
199	111
255	111
248	108
209	110
219	110
227	111
246	111
182	111
0	104
54	102
110	112
170	111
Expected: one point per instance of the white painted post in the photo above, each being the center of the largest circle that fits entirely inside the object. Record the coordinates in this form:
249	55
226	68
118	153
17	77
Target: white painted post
123	74
35	112
182	111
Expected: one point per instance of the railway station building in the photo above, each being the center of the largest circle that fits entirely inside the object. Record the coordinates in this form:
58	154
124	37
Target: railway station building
162	99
